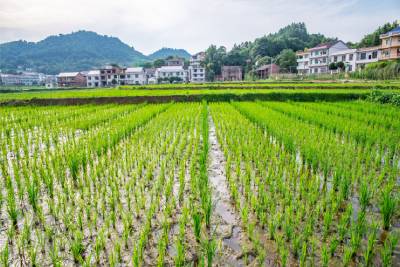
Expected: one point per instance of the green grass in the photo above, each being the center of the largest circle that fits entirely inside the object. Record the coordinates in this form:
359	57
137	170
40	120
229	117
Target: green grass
97	93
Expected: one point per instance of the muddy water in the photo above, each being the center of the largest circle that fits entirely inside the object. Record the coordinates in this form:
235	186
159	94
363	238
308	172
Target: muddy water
227	222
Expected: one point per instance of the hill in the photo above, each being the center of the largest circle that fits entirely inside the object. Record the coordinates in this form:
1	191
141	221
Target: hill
166	52
80	50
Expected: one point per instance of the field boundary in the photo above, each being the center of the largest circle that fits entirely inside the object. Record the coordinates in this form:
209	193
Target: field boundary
273	96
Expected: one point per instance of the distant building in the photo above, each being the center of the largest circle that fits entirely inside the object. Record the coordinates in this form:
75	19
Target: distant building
71	79
303	61
367	55
348	57
197	72
390	45
167	72
93	78
231	73
265	71
51	81
319	55
175	61
24	78
135	76
112	75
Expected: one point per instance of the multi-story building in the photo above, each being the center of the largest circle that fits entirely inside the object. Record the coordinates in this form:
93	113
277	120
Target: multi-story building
135	76
168	72
93	78
319	55
367	55
71	79
390	45
112	75
348	57
303	61
24	78
231	73
197	72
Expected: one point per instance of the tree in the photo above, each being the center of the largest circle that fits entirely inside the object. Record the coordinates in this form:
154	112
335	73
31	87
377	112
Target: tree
341	66
158	63
333	66
287	60
214	61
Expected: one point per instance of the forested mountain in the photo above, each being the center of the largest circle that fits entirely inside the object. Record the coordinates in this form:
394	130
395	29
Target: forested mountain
250	55
76	51
166	52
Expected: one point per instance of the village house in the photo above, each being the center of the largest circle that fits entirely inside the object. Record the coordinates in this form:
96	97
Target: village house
265	71
170	72
303	61
93	78
348	57
71	79
319	55
367	55
231	73
390	45
150	75
112	75
135	76
197	72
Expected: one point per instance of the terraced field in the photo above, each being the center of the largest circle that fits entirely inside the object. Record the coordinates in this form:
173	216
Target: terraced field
258	183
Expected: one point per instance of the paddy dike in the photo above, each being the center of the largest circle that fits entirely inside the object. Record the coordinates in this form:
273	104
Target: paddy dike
305	96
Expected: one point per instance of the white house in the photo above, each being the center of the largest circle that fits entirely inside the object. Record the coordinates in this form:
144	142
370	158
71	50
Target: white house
319	55
197	72
166	72
348	57
93	78
303	62
135	76
367	55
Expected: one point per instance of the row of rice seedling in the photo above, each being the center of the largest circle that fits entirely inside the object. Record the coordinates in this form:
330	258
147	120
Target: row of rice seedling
362	132
359	180
371	119
129	200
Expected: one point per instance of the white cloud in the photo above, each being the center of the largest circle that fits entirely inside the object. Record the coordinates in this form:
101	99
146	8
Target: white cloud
190	24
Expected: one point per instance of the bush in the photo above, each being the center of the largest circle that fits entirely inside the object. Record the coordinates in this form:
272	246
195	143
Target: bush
383	70
384	98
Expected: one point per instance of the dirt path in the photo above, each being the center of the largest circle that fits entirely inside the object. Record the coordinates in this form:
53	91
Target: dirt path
226	220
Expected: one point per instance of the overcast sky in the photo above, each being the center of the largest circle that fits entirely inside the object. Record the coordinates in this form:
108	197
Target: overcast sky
190	24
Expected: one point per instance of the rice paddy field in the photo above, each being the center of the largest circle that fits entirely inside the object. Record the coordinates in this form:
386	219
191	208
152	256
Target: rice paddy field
234	183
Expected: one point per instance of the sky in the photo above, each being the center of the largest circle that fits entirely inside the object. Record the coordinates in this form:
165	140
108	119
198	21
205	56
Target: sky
193	25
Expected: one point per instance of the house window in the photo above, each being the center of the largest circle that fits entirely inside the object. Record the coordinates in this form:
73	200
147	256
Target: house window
363	56
350	57
115	76
109	76
128	76
89	78
335	59
374	54
96	78
136	75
